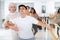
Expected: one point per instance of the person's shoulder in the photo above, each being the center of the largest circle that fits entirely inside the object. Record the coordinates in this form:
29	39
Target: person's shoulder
8	15
16	13
16	18
31	17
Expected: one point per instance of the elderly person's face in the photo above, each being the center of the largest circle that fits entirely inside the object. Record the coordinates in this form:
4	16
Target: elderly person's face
12	8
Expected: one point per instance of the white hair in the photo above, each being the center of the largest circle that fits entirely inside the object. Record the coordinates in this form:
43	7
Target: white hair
11	4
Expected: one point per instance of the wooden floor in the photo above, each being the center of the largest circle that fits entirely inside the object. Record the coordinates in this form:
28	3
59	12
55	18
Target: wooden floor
41	35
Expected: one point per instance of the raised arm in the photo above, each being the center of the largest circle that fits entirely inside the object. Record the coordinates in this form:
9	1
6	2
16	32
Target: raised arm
44	25
52	16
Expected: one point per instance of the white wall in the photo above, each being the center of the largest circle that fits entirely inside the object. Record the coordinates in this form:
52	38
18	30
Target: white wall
50	5
1	9
57	0
1	12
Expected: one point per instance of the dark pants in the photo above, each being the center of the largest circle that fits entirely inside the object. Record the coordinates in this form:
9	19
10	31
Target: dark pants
35	27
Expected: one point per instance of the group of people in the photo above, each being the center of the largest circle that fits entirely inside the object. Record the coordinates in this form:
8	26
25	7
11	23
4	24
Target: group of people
22	21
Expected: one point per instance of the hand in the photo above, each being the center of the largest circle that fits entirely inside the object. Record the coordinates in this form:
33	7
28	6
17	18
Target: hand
14	28
6	26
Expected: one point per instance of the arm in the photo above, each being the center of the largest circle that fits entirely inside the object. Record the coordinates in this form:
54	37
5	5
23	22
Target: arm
49	27
6	25
44	25
37	15
5	22
58	21
52	16
12	26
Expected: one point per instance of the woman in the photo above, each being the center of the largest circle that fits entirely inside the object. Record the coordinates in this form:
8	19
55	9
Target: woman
12	14
35	15
56	19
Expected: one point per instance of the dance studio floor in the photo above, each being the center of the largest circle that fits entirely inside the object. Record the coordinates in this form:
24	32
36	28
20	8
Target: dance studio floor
10	35
41	35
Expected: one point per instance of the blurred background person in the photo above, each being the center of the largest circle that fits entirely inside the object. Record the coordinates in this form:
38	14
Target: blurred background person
35	15
55	19
28	10
12	14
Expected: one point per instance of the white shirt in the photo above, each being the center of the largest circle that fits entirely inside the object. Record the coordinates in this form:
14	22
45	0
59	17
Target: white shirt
25	26
10	16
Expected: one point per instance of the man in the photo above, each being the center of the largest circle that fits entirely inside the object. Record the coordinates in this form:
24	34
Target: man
24	24
12	14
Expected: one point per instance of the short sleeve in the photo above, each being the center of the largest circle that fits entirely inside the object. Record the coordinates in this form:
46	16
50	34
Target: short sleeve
34	21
